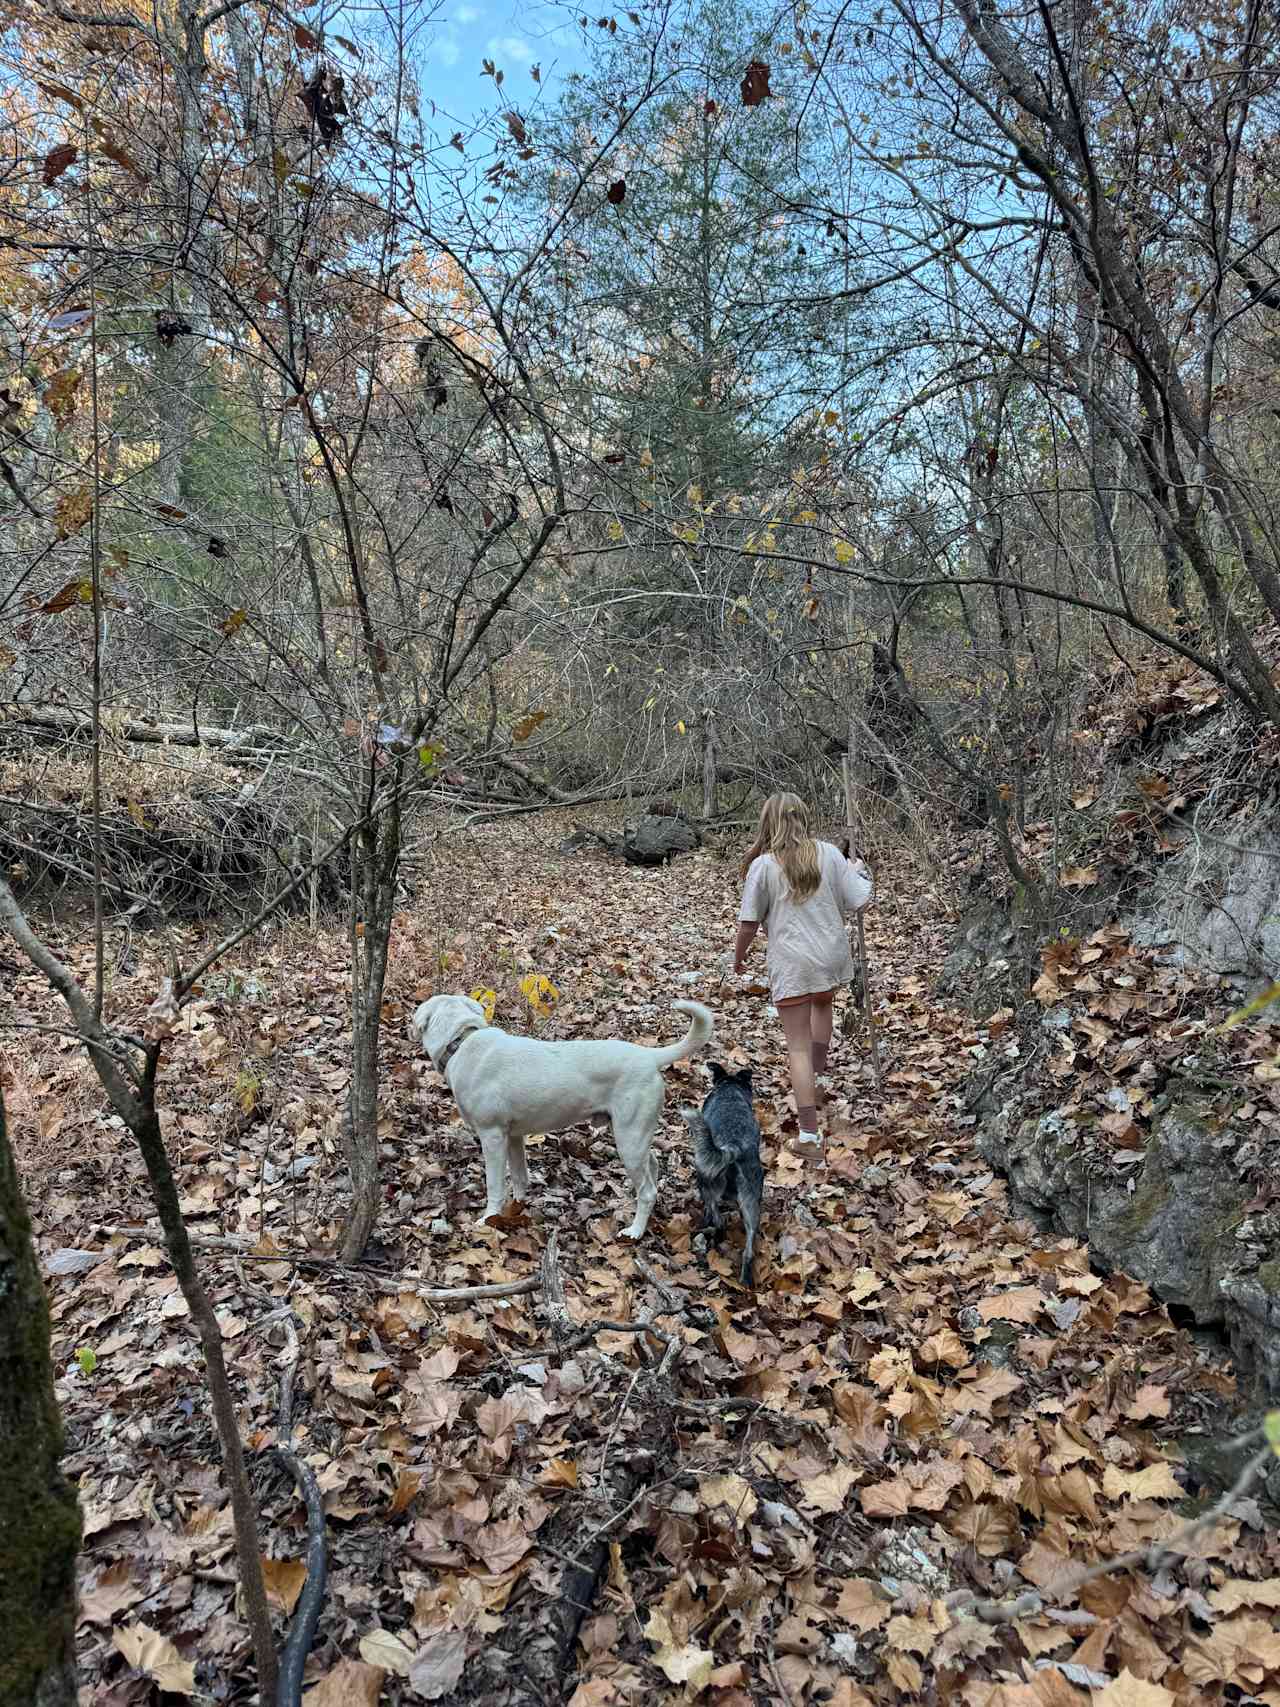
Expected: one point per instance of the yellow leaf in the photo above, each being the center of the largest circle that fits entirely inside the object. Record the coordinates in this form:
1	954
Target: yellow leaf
680	728
540	993
233	623
615	530
488	1000
844	551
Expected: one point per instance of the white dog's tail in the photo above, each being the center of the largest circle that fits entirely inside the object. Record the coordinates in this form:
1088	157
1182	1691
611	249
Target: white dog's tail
701	1026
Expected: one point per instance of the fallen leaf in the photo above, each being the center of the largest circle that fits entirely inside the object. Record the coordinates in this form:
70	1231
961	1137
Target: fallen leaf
1130	1691
680	1663
147	1650
284	1579
380	1648
438	1664
351	1683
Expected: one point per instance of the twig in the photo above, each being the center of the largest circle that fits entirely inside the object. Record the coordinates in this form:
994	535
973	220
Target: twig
306	1259
307	1614
868	1010
219	1242
460	1294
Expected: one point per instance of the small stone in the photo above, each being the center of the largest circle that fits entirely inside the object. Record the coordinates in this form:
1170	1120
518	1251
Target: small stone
441	1228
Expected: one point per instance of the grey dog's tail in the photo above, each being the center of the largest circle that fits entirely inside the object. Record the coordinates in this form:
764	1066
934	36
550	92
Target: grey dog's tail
701	1027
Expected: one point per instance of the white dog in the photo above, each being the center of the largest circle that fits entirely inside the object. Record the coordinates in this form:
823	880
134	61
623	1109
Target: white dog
508	1087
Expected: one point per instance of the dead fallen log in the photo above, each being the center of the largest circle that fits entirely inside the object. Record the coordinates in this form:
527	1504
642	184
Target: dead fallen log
57	723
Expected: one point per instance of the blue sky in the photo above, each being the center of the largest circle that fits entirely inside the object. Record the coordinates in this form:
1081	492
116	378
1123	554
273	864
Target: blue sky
515	37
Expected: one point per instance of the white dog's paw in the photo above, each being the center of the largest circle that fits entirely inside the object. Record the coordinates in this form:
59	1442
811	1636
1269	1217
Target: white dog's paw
483	1223
632	1232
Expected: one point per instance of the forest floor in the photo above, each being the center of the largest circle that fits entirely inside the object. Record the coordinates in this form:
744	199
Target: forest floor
922	1395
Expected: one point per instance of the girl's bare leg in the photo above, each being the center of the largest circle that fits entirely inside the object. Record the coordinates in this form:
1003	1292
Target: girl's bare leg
795	1017
820	1017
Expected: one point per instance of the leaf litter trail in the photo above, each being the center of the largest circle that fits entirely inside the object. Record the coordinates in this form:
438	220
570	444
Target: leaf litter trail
762	1499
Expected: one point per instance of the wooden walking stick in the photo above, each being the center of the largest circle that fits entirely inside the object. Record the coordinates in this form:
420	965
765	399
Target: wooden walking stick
862	941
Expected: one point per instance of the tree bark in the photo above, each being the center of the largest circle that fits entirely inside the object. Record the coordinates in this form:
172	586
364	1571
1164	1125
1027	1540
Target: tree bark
710	752
39	1513
375	868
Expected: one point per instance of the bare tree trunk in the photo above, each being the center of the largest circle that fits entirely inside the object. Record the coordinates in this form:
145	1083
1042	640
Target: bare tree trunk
710	760
39	1514
375	867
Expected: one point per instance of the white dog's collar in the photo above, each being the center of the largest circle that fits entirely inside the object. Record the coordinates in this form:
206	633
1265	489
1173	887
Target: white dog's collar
451	1048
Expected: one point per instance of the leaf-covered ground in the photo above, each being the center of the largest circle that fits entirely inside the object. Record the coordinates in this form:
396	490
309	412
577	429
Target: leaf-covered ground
770	1499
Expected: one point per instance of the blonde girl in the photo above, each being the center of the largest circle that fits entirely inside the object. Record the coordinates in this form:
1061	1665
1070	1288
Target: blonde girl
801	891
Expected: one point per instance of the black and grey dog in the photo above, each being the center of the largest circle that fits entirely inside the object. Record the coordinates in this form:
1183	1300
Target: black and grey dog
726	1157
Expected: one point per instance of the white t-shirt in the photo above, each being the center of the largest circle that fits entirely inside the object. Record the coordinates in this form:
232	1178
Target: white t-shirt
808	946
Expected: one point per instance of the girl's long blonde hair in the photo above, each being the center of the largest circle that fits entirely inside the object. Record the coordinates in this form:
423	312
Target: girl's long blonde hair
783	831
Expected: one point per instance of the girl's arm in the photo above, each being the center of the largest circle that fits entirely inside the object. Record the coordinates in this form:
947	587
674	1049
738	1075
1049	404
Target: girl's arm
753	911
747	929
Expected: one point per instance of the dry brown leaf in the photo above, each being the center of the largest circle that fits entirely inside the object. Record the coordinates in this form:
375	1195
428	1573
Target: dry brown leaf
438	1664
407	1486
351	1683
1018	1304
381	1648
862	1604
1131	1691
680	1662
1235	1593
905	1673
731	1491
828	1490
147	1650
1156	1482
284	1579
113	1593
501	1545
